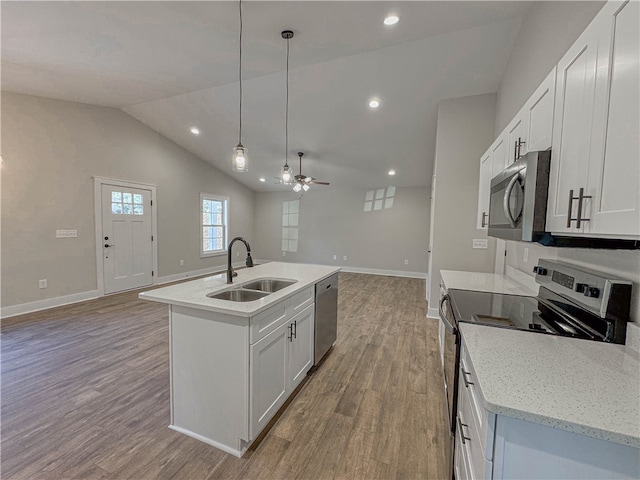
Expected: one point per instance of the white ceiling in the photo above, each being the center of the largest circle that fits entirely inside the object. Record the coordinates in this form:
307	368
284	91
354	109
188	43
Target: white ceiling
173	65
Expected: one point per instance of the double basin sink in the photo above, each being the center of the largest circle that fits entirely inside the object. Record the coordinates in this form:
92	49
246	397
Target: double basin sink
254	290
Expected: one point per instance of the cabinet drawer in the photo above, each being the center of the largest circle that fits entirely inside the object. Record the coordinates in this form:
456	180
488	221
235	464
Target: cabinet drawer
460	460
301	300
469	438
267	321
478	418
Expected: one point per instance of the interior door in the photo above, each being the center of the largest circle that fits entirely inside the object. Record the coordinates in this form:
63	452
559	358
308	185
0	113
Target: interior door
127	248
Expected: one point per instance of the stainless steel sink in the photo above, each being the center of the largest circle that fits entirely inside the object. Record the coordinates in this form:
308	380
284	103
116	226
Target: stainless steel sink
238	295
268	285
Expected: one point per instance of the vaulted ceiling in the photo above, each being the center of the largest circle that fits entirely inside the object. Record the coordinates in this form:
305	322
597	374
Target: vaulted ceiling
174	65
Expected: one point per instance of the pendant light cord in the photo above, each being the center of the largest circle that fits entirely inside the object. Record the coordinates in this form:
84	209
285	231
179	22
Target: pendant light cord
240	76
286	117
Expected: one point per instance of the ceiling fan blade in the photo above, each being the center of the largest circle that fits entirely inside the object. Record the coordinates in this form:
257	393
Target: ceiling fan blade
317	182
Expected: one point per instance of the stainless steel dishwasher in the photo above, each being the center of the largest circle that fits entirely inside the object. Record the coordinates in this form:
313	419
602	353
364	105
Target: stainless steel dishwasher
326	320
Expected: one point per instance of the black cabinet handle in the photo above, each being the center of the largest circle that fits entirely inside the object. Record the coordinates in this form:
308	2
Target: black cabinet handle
290	336
462	437
464	377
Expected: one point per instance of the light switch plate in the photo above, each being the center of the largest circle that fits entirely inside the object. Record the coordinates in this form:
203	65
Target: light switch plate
66	233
480	243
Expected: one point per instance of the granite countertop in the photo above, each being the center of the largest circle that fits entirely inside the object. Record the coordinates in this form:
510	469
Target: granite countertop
487	282
194	293
585	387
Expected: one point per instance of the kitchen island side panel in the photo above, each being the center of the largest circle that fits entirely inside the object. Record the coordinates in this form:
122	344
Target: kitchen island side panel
209	377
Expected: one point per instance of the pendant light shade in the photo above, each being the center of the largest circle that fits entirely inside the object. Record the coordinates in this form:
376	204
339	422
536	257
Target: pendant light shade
239	160
286	175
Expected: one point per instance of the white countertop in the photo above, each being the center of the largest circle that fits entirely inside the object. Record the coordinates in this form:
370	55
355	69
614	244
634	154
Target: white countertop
586	387
486	282
194	293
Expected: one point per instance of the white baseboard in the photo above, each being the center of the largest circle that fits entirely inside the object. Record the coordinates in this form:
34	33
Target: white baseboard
208	441
433	313
390	273
12	311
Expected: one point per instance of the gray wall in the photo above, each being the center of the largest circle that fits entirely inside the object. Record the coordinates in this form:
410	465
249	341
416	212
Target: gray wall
333	222
465	131
51	149
548	31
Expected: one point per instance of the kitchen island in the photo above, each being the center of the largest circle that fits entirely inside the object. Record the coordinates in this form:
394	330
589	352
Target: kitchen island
233	364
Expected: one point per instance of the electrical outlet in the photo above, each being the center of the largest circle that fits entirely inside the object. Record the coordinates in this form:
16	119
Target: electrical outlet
237	254
344	258
335	257
284	254
406	262
479	243
526	255
42	283
182	263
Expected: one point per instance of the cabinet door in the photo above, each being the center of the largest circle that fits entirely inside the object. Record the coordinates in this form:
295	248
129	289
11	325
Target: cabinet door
499	154
572	120
301	346
268	378
538	116
484	191
614	180
516	138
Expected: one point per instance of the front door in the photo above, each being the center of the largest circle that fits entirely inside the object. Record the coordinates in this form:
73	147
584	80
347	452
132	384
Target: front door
127	248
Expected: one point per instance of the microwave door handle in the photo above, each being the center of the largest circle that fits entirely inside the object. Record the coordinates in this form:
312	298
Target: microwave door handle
444	318
505	200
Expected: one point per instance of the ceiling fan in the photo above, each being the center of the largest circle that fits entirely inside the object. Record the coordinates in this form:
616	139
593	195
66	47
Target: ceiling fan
302	182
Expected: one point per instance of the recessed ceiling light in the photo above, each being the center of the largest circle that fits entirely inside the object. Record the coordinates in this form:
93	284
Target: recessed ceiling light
262	179
391	20
373	103
391	172
195	130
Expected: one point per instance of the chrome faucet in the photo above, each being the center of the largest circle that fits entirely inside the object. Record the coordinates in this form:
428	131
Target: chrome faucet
249	262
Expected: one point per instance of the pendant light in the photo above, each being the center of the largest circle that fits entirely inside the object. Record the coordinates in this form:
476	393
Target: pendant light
286	175
239	161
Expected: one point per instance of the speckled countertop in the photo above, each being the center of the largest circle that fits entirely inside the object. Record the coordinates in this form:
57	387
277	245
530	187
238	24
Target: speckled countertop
486	282
194	294
585	387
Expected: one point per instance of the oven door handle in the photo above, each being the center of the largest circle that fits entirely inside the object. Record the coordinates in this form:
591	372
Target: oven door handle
443	316
507	196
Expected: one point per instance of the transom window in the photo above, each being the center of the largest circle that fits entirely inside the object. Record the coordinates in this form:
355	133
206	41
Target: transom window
213	224
126	203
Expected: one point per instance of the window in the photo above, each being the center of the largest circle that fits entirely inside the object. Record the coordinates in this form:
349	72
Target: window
126	203
290	214
213	224
380	200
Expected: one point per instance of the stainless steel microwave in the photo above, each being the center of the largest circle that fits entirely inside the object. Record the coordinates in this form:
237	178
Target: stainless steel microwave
518	203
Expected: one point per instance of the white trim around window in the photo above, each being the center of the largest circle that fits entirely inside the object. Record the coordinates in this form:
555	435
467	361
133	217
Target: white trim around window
214	225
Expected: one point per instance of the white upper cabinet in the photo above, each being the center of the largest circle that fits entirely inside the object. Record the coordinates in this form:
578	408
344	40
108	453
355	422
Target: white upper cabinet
515	133
484	191
537	116
499	155
594	179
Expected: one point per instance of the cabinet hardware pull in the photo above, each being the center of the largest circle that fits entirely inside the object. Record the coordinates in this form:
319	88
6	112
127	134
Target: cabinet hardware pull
484	222
520	143
462	437
581	196
295	329
515	151
464	378
290	336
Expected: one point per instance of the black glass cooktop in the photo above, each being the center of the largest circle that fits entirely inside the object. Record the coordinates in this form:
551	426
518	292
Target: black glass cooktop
544	315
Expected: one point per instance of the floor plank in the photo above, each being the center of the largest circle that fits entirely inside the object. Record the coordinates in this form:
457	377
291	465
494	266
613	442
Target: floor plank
85	395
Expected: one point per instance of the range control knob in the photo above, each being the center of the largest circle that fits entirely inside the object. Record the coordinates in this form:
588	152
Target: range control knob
540	270
593	292
581	287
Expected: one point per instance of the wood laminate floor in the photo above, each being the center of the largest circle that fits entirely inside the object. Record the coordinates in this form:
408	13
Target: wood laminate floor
85	395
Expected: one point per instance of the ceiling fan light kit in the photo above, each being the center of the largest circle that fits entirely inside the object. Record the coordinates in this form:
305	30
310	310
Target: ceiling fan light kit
239	161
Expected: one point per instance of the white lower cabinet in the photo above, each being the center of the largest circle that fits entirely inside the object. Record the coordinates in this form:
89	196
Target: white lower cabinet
279	362
501	447
231	374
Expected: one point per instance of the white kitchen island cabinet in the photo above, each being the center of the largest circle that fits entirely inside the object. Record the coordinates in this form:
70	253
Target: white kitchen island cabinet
234	364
